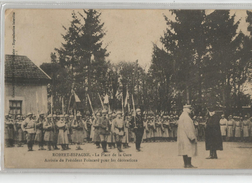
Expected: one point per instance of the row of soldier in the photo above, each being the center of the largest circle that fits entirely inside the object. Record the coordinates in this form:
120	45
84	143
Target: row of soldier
103	128
64	129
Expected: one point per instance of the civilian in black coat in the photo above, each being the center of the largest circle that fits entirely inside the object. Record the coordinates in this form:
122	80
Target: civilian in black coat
213	134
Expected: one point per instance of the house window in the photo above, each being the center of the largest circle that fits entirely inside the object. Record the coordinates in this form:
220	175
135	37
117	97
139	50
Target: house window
15	107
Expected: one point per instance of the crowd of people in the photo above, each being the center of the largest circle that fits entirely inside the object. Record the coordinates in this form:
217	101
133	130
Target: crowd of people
111	129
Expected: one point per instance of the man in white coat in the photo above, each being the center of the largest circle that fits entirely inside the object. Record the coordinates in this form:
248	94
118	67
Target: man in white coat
187	140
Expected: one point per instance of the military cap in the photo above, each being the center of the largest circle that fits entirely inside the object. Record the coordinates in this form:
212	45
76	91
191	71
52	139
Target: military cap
71	116
138	110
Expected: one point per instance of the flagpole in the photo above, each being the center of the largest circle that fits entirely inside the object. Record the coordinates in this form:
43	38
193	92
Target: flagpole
101	101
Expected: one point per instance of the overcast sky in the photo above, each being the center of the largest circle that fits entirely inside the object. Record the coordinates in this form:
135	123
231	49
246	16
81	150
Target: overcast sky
130	33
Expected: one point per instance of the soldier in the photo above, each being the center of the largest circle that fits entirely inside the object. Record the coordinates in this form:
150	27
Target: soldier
152	128
111	138
223	127
137	124
48	129
104	129
39	131
196	125
68	129
230	128
187	140
158	129
88	120
96	134
55	132
78	131
166	125
19	131
62	135
245	128
202	125
9	131
237	128
125	139
213	137
146	130
29	126
118	130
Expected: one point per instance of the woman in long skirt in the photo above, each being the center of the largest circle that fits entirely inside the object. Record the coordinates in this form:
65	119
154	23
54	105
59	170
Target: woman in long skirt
230	128
245	128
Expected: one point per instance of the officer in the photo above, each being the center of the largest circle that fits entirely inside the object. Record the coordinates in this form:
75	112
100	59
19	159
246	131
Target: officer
104	129
28	126
9	131
119	130
55	132
137	124
48	129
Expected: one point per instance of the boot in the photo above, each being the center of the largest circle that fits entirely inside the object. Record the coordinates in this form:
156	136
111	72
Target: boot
211	155
215	154
189	159
185	161
105	147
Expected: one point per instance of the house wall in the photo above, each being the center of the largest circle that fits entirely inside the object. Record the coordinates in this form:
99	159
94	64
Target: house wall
33	97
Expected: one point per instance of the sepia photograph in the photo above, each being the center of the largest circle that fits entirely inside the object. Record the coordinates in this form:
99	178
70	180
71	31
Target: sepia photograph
127	89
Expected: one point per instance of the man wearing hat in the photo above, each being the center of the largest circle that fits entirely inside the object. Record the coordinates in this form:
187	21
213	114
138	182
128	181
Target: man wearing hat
29	127
39	131
95	128
48	130
78	131
9	131
104	129
213	137
118	130
111	137
62	136
187	140
55	132
137	124
19	131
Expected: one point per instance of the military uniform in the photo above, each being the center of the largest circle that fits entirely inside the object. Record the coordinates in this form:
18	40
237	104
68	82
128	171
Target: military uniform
223	127
125	139
137	124
111	136
245	129
55	132
118	130
78	131
158	128
29	126
166	126
62	135
230	129
237	128
96	134
9	131
48	131
104	130
39	132
19	132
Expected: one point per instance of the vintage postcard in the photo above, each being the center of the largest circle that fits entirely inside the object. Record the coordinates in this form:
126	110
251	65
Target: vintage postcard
113	88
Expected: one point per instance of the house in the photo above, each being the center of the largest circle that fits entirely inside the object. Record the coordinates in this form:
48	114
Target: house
25	86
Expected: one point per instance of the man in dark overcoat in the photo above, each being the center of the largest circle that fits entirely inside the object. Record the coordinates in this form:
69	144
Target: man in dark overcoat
213	137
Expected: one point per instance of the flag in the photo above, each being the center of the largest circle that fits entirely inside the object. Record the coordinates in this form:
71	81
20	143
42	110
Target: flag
77	99
106	99
126	99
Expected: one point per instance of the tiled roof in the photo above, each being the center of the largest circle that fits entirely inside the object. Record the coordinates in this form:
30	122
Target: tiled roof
23	68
